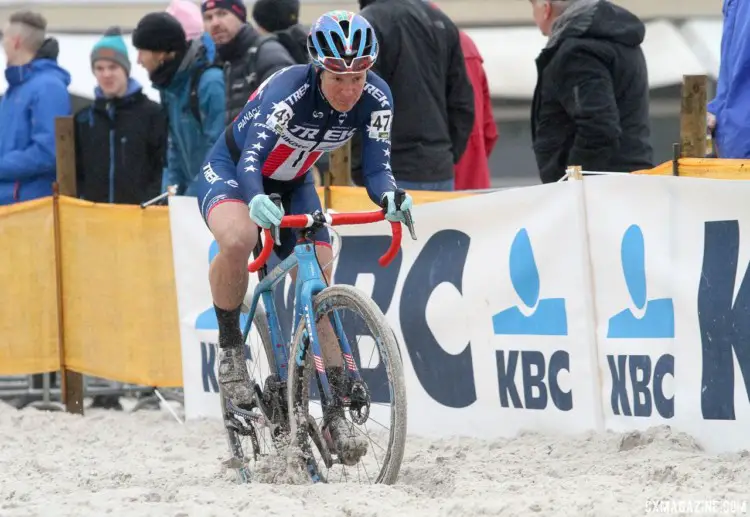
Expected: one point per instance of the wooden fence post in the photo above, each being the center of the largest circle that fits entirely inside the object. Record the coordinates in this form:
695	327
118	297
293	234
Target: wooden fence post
339	171
693	116
71	382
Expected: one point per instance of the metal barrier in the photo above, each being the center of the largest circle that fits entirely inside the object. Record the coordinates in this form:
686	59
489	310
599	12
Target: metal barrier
42	391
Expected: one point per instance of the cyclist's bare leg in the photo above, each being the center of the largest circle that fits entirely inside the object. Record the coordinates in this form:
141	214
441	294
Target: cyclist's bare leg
350	446
236	236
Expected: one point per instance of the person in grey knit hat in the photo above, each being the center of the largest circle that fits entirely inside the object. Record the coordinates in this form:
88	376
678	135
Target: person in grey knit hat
121	141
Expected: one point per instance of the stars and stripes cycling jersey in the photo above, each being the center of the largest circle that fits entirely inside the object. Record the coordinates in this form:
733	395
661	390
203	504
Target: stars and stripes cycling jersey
283	130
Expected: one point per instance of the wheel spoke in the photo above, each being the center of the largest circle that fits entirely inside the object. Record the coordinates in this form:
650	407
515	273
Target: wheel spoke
301	380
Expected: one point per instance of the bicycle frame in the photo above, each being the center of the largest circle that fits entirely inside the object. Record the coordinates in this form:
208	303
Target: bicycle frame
309	282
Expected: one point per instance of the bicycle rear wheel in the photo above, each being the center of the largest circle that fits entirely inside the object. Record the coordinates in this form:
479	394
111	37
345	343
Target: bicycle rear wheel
304	430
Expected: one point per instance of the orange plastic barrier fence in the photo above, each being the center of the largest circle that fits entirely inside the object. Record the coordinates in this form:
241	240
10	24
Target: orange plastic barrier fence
350	199
120	318
711	168
119	298
28	319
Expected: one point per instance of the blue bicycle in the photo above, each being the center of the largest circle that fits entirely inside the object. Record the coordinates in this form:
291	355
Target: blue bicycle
283	419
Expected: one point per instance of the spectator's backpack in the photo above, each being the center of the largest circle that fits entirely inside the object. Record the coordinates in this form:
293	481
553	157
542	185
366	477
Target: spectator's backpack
294	40
195	78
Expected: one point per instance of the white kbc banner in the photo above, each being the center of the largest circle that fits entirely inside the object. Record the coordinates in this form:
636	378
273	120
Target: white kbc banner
616	303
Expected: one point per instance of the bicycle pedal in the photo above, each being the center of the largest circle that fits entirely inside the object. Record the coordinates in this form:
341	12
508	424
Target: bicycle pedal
258	391
235	463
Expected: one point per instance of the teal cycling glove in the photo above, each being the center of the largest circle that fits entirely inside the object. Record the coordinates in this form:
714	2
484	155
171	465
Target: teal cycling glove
391	213
264	212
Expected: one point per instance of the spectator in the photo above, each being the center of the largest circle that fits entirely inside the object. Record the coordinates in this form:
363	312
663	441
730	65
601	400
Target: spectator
37	93
248	57
190	17
421	60
591	103
473	169
281	18
121	138
729	111
191	91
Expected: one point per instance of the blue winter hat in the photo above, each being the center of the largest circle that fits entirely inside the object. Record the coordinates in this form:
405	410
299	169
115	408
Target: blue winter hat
112	47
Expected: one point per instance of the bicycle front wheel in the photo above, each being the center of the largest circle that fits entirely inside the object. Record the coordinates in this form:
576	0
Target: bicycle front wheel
363	326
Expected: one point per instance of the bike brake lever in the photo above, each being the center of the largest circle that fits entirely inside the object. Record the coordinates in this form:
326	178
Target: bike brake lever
275	230
398	197
409	222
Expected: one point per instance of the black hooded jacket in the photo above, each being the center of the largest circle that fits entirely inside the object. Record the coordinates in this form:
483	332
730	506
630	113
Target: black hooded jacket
591	102
294	39
50	49
420	58
121	148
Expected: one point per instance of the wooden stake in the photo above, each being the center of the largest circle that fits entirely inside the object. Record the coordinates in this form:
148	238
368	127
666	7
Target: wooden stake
65	149
341	165
693	116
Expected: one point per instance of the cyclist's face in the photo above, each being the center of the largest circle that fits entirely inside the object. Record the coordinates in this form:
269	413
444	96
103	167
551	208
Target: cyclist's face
342	90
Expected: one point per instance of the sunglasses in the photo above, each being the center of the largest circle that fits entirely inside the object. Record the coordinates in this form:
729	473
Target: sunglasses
338	65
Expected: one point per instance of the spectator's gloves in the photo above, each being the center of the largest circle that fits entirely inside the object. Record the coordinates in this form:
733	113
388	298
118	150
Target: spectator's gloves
710	121
391	212
264	212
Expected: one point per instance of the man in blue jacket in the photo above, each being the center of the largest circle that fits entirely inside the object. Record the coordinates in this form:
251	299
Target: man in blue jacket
191	92
37	93
729	112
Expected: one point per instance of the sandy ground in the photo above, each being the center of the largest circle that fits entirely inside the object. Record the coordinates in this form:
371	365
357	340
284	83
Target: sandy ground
146	464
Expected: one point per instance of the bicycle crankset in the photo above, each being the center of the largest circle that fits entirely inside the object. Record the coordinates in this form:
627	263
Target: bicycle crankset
237	420
243	420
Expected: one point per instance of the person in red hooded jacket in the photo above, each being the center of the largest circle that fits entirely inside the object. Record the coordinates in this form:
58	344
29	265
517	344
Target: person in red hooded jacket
472	170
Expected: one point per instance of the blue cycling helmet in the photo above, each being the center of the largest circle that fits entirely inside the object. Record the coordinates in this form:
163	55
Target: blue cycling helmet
342	42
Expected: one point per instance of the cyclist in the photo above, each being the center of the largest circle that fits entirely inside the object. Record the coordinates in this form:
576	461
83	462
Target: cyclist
292	118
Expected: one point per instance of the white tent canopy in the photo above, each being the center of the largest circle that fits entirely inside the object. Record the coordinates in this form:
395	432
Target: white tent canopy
509	59
668	55
704	38
509	55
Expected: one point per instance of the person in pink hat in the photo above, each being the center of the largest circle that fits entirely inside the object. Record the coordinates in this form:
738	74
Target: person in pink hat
190	17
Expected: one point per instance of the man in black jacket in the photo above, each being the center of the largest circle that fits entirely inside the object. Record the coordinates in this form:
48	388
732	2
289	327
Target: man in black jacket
421	60
281	18
248	57
121	138
591	102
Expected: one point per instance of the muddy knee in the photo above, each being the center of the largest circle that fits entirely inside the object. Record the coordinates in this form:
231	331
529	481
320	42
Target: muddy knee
236	247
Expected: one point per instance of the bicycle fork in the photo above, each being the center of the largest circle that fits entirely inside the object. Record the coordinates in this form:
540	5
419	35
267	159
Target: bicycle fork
350	367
